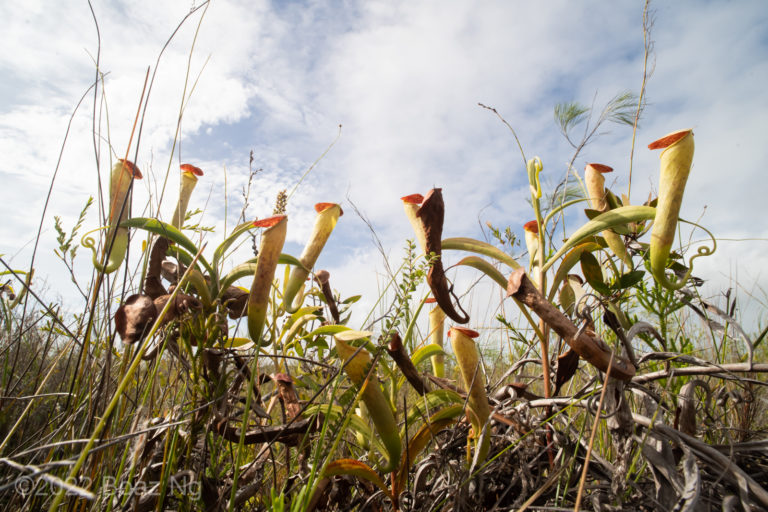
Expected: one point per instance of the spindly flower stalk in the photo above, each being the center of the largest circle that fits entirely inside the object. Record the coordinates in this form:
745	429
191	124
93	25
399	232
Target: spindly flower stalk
478	410
358	369
595	182
121	179
272	240
436	332
327	216
676	162
189	174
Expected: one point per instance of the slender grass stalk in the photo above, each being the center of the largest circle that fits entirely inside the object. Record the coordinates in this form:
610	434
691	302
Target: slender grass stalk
121	387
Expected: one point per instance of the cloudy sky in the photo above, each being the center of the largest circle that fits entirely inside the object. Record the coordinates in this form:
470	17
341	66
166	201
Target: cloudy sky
404	80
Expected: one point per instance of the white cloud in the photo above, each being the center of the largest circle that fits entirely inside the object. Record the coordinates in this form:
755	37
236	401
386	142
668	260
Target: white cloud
404	80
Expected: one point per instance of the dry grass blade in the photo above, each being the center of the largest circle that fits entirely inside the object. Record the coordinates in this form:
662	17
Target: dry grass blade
720	463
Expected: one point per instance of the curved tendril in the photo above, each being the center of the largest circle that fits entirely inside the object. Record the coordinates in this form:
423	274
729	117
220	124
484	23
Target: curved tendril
90	243
559	208
701	251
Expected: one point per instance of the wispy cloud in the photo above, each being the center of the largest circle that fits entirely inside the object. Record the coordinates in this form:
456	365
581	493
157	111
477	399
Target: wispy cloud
404	80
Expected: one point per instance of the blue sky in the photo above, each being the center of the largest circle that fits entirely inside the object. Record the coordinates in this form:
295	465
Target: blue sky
404	80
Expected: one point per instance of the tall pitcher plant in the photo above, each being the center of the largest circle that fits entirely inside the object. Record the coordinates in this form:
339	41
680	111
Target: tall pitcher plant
124	172
327	216
594	179
676	159
272	240
189	175
478	411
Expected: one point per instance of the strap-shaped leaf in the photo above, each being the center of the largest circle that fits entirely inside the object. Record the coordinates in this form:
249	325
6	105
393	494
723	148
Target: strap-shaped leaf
593	273
486	268
356	468
629	279
476	246
161	228
425	353
435	399
248	268
607	220
236	343
569	261
327	329
236	233
423	436
356	423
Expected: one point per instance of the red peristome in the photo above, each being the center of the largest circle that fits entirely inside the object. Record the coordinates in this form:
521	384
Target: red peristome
321	207
191	168
135	170
532	226
283	377
466	332
268	222
430	300
668	140
601	168
413	199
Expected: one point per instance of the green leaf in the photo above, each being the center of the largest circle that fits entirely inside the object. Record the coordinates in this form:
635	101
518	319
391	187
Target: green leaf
569	262
287	259
607	220
629	279
620	230
356	423
327	329
248	269
319	343
348	334
163	229
622	108
425	353
358	469
593	273
171	233
306	310
176	251
352	299
613	201
296	324
476	246
223	246
239	343
591	213
567	298
432	400
423	436
486	268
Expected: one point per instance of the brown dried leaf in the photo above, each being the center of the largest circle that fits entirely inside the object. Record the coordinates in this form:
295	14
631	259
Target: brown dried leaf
236	300
567	364
153	286
432	213
134	318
